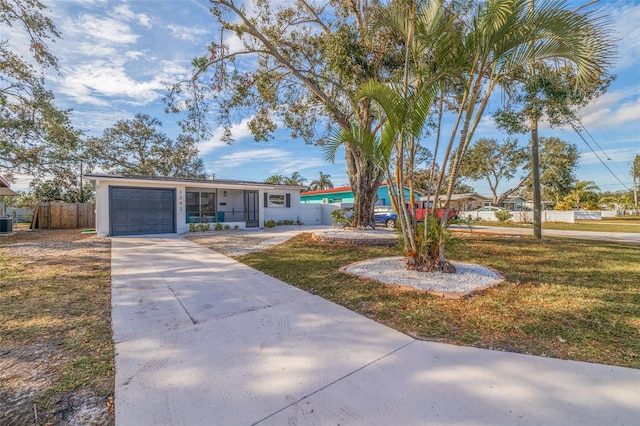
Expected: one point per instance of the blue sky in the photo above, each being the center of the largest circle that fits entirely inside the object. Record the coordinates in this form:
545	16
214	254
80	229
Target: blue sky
115	56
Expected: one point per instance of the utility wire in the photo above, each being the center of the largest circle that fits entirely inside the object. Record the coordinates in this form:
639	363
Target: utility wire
596	154
601	149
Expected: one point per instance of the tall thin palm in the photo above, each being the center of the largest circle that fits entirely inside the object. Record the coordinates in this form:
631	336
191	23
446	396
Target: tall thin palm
505	35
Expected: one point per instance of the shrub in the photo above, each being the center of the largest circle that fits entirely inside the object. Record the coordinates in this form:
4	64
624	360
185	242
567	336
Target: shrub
298	221
227	227
287	222
198	227
218	226
236	227
269	223
502	215
342	216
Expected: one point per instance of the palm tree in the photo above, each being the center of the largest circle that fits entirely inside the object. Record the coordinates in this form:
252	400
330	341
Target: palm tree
294	180
275	179
323	182
499	37
507	35
581	188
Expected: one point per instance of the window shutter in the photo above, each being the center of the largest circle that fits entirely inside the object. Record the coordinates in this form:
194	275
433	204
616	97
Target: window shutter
287	200
266	199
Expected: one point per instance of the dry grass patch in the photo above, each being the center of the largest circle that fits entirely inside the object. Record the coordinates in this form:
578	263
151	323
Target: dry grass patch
569	299
55	307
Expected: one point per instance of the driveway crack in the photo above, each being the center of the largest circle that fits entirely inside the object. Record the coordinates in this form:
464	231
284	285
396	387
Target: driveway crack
332	383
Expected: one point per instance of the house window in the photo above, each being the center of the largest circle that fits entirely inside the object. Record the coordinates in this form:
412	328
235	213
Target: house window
201	206
276	200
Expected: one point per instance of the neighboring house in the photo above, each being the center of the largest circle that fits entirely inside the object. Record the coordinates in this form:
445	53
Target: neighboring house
137	205
514	203
461	202
344	194
5	190
546	205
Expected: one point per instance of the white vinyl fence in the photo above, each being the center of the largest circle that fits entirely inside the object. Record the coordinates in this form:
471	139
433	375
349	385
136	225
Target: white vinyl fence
566	216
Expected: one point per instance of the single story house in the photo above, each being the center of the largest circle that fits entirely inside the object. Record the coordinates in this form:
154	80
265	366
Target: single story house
5	190
138	205
514	203
461	202
344	194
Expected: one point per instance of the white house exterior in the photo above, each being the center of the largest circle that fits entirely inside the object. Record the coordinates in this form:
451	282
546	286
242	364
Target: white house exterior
139	205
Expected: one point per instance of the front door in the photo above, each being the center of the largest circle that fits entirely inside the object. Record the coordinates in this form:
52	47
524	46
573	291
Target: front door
251	212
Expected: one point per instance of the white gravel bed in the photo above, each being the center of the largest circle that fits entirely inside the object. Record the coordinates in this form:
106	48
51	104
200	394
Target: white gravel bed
393	270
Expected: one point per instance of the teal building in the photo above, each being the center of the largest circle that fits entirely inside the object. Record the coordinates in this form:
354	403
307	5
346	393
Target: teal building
344	194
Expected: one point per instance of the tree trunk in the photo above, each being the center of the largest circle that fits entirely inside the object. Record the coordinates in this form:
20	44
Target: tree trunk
365	178
636	177
535	172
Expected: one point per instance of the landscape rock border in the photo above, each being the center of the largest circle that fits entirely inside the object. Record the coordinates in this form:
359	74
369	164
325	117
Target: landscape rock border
357	237
469	279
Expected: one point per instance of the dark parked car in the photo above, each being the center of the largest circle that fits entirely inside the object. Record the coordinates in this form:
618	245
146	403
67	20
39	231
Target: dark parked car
385	215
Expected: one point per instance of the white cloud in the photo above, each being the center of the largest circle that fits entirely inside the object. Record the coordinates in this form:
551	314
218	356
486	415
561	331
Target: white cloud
613	109
620	156
102	29
288	167
284	162
239	131
183	32
626	20
124	11
240	158
93	122
89	82
233	42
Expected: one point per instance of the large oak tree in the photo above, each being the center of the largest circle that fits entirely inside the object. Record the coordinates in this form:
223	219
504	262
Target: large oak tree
138	147
300	66
36	137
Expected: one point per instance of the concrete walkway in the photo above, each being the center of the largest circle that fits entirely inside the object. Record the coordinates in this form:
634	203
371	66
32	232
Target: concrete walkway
204	340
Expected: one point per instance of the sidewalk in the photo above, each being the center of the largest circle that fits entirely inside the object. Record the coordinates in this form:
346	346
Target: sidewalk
204	340
614	237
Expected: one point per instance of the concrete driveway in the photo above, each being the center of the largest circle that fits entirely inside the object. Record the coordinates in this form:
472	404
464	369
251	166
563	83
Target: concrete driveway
204	340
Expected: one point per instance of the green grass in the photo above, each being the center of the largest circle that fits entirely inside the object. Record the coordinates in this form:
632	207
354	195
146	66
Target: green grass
561	298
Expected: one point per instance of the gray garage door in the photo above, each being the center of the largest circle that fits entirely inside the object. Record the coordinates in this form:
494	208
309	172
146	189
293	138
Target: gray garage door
138	211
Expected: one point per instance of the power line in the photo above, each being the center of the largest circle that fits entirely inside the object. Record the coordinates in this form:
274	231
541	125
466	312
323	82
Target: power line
601	149
596	154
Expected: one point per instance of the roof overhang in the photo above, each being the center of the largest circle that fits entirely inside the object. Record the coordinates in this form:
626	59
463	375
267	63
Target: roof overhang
192	183
4	188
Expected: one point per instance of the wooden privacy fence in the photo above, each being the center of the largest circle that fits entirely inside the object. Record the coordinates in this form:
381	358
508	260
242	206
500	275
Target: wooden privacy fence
63	216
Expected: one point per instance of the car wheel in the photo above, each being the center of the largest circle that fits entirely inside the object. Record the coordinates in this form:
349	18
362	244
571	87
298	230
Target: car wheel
390	223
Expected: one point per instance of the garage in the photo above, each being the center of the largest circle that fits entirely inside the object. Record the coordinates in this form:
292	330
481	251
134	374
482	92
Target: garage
141	211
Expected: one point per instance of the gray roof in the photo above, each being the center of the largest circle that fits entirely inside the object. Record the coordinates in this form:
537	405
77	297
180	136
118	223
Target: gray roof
97	176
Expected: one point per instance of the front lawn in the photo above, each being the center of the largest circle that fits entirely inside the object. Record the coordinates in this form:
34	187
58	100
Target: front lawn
56	363
562	298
